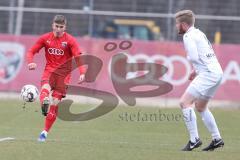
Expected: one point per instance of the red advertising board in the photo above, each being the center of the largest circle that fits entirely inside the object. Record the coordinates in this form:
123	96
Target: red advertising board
14	73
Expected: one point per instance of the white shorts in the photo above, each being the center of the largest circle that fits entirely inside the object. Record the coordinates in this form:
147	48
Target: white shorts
204	85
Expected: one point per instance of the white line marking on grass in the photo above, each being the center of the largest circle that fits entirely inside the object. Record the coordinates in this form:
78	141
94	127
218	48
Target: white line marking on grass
6	139
96	142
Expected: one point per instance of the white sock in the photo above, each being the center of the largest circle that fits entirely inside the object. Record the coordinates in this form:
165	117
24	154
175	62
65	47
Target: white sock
210	123
190	119
45	133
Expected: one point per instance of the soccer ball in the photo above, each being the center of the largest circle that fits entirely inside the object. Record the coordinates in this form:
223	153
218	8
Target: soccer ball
29	93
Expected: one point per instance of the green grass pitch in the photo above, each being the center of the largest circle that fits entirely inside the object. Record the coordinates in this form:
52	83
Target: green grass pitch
128	133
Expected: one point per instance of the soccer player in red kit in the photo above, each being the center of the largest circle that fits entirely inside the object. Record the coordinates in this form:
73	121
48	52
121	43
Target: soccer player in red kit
59	48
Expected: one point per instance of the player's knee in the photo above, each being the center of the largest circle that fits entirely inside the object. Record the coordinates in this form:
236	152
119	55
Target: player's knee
200	109
57	97
182	104
55	101
201	105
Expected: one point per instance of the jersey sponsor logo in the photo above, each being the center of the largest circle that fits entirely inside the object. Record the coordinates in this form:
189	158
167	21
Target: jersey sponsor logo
171	62
55	51
64	44
231	71
210	55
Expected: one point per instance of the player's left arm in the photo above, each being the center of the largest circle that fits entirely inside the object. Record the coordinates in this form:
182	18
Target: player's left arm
192	75
75	49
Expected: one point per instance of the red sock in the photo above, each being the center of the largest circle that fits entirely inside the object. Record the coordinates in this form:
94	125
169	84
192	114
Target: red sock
44	93
51	117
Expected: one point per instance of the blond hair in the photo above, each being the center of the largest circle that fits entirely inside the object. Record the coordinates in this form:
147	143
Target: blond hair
60	19
186	16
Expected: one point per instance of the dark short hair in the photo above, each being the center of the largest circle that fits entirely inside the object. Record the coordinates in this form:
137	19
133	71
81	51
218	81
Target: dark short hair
60	19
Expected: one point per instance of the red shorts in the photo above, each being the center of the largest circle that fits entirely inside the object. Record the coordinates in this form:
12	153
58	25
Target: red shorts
58	83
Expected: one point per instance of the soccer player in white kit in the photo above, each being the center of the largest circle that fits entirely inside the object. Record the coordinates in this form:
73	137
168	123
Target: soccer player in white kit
205	79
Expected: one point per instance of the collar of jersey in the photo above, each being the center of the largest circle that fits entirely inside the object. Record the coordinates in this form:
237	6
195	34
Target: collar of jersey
189	29
58	37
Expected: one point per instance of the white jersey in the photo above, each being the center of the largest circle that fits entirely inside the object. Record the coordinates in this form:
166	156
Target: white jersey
200	52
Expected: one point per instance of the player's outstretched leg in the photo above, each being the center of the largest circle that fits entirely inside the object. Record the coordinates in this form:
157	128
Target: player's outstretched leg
50	119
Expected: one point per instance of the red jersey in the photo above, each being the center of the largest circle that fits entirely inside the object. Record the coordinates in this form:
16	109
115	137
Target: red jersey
58	50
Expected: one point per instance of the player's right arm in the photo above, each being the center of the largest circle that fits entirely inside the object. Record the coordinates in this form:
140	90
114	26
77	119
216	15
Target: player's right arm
192	53
32	51
76	53
191	48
